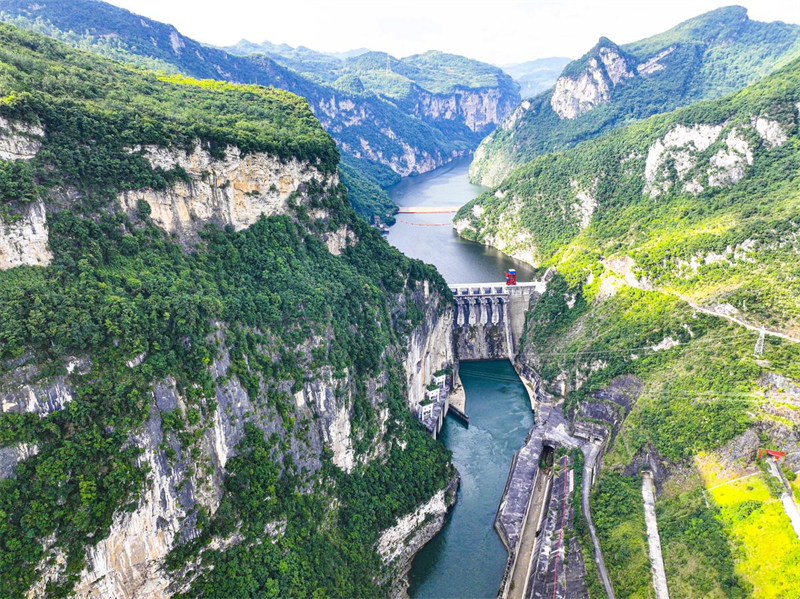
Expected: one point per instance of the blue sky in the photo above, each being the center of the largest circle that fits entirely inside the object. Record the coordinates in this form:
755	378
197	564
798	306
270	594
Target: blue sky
497	31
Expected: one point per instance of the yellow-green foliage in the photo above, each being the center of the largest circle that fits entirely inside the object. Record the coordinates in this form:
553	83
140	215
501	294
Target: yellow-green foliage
766	547
697	556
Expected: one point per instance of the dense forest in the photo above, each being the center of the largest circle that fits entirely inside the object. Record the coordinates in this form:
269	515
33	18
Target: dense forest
119	287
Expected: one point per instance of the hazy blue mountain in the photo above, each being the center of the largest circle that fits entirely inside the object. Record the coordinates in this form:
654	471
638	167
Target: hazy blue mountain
536	76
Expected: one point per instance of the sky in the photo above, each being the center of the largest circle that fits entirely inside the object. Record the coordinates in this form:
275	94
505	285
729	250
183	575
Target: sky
495	31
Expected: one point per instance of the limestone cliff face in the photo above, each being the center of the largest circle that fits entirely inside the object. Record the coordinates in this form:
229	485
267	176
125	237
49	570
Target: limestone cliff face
408	160
23	235
398	545
235	190
430	348
576	95
479	109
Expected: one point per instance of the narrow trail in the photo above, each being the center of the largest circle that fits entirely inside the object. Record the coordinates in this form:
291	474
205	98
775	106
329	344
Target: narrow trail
738	321
590	452
630	279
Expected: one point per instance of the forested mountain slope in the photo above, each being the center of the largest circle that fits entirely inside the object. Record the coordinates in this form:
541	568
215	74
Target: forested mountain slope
673	241
706	57
204	353
382	137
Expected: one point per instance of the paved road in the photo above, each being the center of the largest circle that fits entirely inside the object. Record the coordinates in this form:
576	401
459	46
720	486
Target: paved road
653	539
591	452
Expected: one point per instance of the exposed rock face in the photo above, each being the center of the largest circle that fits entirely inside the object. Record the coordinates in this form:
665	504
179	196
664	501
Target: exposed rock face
398	545
411	160
19	141
586	203
11	455
236	190
652	64
679	147
479	109
25	241
430	348
23	238
728	164
770	131
616	66
575	96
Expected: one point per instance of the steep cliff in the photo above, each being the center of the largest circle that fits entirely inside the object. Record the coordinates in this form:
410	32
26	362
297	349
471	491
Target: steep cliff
671	243
202	348
446	106
706	57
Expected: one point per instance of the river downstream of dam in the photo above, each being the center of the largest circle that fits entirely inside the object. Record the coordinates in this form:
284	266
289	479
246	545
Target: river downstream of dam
466	559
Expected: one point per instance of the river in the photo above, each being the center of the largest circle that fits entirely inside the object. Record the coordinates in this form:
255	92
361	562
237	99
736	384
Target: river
466	559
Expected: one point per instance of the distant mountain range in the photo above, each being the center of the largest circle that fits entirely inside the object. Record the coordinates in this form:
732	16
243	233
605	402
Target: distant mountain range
706	57
390	118
536	76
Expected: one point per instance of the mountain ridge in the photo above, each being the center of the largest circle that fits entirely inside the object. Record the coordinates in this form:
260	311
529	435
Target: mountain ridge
705	57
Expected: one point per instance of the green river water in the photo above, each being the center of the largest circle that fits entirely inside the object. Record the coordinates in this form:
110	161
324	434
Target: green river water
466	559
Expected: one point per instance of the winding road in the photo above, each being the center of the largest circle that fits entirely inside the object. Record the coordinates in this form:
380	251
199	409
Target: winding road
590	453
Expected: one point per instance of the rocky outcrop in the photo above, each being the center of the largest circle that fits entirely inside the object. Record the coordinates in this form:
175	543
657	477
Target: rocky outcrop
23	231
679	148
573	97
576	95
398	545
24	238
19	141
235	190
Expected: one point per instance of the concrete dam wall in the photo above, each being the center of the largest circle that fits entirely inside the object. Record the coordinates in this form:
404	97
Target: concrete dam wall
490	318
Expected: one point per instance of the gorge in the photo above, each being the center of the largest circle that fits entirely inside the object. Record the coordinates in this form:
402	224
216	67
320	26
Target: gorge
227	363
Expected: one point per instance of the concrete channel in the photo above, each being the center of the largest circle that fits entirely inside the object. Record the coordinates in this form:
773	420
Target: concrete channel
530	536
653	538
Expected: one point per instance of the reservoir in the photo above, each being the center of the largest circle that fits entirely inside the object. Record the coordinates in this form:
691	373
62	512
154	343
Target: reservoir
466	559
431	238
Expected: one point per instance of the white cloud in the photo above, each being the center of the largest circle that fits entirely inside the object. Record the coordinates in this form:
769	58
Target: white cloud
498	31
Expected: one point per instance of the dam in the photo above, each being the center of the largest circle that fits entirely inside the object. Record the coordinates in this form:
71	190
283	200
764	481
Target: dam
506	535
